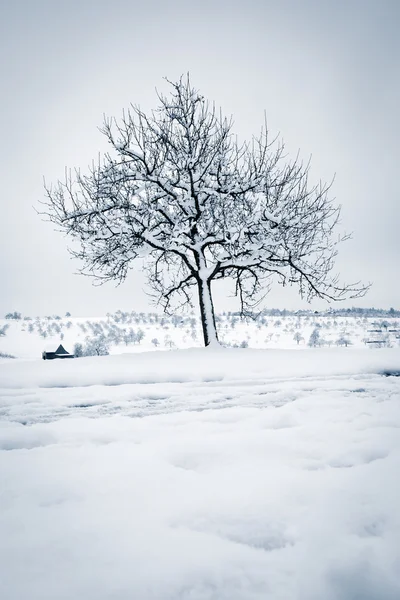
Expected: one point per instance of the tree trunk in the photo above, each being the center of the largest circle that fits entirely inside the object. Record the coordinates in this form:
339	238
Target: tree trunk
207	312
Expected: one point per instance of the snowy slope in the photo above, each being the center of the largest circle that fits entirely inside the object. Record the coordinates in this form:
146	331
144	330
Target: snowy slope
235	474
197	365
28	338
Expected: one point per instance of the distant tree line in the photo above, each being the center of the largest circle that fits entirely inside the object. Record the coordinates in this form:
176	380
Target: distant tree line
176	319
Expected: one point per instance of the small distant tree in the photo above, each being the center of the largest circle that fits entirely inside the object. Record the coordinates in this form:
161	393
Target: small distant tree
3	330
78	350
129	337
5	355
140	335
67	314
168	342
178	188
155	342
298	337
96	346
15	315
343	341
315	339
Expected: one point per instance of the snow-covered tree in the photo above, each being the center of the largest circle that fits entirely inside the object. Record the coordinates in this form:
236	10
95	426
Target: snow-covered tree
3	330
78	350
343	341
15	315
179	191
139	335
169	342
298	337
97	346
129	336
315	339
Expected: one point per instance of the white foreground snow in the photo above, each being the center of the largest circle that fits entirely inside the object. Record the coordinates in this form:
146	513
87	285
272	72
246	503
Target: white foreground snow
201	475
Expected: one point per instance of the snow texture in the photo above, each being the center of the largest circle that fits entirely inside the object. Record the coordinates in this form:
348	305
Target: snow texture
201	475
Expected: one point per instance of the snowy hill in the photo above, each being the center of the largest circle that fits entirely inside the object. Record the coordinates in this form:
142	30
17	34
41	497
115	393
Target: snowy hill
138	332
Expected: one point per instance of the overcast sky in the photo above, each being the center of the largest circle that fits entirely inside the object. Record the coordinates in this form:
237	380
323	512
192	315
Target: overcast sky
326	72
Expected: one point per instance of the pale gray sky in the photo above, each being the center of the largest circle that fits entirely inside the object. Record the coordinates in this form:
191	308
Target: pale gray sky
326	72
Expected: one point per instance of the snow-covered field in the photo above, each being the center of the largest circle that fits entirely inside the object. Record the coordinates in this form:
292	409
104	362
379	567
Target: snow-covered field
201	475
138	332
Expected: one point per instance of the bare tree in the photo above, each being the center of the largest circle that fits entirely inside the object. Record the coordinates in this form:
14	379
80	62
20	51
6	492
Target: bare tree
180	191
343	341
298	337
315	338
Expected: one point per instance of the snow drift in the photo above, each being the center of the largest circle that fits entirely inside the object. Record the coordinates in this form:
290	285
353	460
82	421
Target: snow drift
197	365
